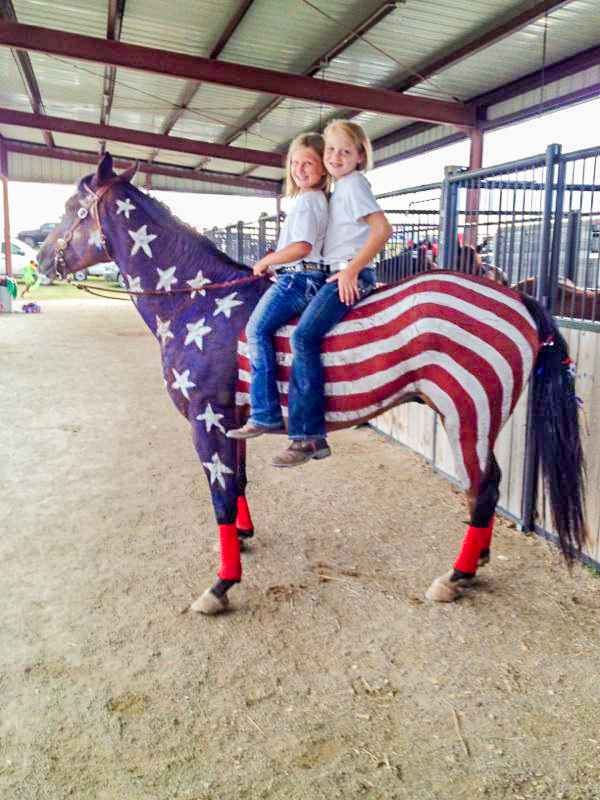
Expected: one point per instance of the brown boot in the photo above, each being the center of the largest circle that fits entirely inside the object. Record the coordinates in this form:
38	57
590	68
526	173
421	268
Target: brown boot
300	451
250	430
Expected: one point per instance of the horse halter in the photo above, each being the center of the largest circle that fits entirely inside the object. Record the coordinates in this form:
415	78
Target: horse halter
89	206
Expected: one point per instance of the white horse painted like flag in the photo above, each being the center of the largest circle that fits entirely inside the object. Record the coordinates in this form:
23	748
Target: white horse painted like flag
459	343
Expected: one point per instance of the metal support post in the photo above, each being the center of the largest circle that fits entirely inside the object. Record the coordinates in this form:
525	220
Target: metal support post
572	245
448	220
278	215
544	293
262	235
240	241
472	204
229	241
543	265
5	298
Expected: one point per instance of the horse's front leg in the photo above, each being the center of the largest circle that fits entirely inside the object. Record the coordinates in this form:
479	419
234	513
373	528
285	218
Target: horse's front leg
243	520
475	550
223	460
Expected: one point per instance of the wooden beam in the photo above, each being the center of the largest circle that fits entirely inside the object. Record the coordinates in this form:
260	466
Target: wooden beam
344	95
262	186
176	143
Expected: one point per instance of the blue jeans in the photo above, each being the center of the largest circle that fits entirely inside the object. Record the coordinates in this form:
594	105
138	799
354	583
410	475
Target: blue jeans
288	297
306	391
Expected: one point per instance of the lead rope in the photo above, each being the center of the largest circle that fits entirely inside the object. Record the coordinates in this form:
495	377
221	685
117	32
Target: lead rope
86	287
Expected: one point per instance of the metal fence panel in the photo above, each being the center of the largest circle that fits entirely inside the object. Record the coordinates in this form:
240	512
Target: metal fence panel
413	245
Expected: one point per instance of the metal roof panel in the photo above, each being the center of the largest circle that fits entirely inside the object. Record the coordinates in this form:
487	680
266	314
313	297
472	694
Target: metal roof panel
192	27
84	16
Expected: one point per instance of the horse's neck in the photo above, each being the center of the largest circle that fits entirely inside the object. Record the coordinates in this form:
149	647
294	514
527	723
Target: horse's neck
156	251
159	255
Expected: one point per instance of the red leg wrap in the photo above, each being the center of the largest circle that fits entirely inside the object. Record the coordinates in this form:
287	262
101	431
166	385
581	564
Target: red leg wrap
231	565
475	540
243	519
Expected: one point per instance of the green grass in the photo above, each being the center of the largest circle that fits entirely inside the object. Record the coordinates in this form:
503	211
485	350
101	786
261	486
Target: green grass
62	291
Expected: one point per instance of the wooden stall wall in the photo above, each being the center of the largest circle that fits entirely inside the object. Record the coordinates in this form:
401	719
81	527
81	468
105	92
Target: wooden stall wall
411	424
416	426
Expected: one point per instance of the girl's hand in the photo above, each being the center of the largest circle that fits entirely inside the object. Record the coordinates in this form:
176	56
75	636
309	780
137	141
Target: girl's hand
348	287
261	266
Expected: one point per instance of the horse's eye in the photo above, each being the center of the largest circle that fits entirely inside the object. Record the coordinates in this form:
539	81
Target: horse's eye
82	213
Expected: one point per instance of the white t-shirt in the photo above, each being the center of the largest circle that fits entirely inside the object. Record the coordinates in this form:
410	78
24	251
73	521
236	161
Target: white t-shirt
306	222
347	230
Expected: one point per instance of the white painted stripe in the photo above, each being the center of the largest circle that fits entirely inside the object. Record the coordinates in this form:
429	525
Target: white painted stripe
482	289
454	332
387	315
370	383
442	401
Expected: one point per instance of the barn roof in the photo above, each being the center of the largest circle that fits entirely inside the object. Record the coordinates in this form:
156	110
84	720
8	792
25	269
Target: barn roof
208	94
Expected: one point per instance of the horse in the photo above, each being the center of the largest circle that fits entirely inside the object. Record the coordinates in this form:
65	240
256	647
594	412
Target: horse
463	345
570	300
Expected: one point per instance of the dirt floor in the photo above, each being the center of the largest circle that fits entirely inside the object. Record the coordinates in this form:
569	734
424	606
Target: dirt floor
333	677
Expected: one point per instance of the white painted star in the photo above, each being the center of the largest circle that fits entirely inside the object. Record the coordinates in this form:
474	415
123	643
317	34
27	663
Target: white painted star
225	304
124	207
217	469
163	330
211	418
196	332
135	284
197	283
96	238
142	240
166	278
182	382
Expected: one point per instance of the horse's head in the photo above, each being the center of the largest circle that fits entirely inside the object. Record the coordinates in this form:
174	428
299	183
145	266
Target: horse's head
78	241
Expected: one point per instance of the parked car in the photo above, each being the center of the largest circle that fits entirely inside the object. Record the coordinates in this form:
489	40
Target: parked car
107	270
34	238
21	254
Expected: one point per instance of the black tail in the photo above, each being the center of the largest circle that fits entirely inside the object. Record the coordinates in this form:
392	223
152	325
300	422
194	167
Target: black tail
556	430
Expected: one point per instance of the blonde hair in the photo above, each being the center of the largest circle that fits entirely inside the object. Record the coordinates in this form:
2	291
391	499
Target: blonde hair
357	134
316	142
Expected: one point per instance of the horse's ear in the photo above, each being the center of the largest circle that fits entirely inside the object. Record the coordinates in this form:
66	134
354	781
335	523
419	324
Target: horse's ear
105	170
128	174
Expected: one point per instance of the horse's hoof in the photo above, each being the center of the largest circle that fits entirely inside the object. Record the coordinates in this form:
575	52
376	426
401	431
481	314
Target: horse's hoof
443	590
209	603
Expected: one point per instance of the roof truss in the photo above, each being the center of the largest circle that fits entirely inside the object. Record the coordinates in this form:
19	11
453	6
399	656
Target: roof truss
269	81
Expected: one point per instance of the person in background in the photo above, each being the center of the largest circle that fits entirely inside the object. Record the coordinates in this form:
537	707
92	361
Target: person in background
31	277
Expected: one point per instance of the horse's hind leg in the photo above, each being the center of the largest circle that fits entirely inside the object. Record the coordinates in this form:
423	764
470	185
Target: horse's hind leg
475	550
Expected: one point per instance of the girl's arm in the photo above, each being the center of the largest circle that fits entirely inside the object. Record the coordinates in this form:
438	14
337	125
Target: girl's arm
380	231
293	252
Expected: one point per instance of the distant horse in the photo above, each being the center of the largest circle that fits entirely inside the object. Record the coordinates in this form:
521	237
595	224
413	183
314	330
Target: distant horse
578	302
461	344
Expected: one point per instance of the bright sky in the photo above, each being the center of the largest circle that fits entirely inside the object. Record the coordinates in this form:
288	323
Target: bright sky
574	128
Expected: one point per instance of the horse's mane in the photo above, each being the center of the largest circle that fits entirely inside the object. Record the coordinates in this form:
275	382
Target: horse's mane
161	215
